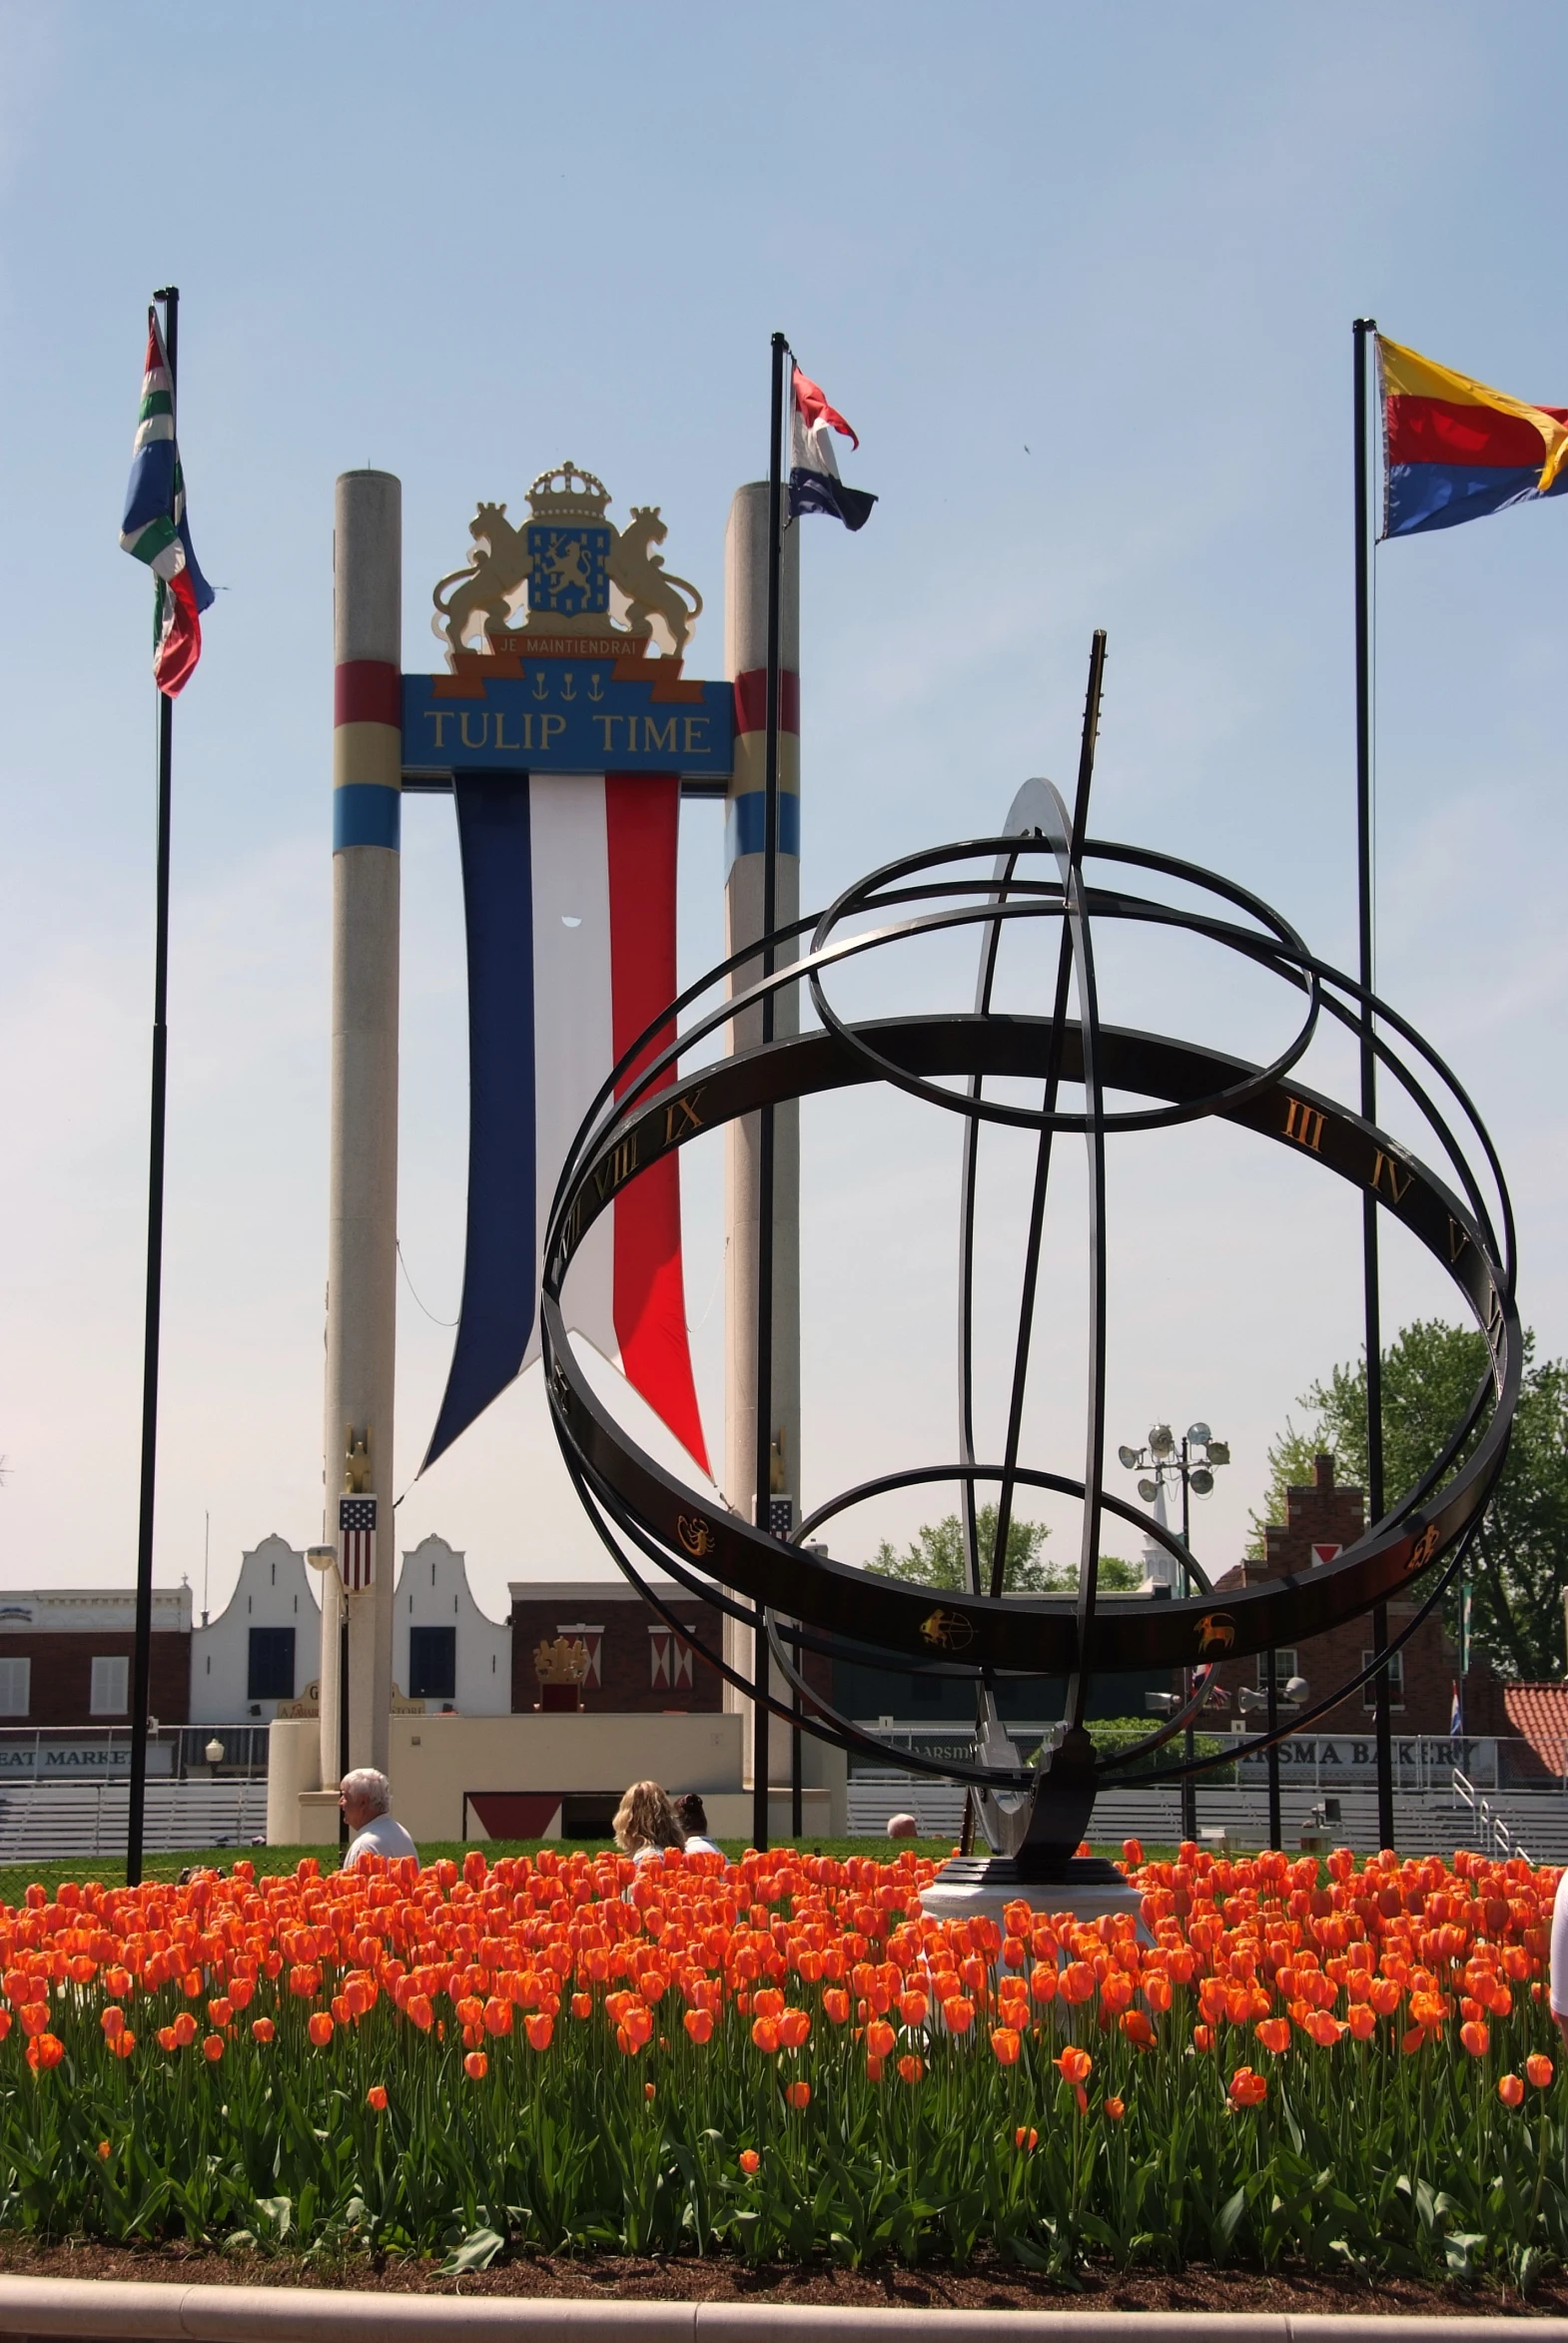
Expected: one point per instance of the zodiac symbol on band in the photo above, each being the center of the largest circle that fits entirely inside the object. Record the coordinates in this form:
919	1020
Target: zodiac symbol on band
950	1631
694	1534
1216	1631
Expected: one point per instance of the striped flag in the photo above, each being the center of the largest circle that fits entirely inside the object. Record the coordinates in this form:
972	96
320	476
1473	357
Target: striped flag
814	482
357	1543
1455	449
154	529
570	898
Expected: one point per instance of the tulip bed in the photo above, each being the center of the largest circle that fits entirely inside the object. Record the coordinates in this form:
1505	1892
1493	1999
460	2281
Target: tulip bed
783	2057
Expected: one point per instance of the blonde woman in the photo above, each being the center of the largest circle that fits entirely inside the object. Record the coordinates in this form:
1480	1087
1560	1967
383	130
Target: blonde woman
645	1823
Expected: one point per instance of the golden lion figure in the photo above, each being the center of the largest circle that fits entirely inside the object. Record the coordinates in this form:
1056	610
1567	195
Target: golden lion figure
490	581
652	591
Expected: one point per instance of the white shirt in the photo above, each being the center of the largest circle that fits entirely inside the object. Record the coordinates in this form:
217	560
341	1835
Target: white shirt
1560	1948
697	1845
380	1835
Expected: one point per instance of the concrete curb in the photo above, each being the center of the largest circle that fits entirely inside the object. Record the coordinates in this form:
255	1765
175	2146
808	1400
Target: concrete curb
294	2315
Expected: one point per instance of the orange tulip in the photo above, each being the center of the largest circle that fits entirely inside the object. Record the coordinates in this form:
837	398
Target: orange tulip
1077	1981
44	2051
375	2097
1363	2020
765	2033
582	2004
1539	2068
835	2005
213	2048
1275	2034
262	2029
750	2161
873	2067
1246	2088
1475	2038
123	2043
1138	2029
880	2038
184	2029
1116	2110
1510	2089
1074	2065
1027	2138
1203	2037
320	2028
477	2067
112	2023
793	2029
958	2013
1006	2043
910	2067
33	2018
539	2026
798	2093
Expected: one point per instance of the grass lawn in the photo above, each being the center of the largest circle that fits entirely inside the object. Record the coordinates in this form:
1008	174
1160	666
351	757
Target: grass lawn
15	1879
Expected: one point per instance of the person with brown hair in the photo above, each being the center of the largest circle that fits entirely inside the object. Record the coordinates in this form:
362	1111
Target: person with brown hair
645	1823
692	1816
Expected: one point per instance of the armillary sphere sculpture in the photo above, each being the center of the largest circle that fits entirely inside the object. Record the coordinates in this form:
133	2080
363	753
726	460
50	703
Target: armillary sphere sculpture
1035	1812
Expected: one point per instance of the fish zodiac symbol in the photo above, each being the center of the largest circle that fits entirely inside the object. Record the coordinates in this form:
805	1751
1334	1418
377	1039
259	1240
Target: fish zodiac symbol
694	1534
1216	1631
950	1631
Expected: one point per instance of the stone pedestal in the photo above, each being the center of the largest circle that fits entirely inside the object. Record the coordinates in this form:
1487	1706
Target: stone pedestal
970	1885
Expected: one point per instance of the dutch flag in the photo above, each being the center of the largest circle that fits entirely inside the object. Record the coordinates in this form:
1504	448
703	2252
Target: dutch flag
569	902
154	529
814	484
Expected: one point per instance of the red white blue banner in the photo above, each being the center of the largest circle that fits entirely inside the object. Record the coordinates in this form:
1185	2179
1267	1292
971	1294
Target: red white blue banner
569	901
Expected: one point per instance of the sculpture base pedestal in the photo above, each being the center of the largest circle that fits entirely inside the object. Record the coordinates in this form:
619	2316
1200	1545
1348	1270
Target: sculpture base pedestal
1086	1885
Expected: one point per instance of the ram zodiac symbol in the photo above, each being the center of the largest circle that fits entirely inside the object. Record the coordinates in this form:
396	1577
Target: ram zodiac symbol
1216	1631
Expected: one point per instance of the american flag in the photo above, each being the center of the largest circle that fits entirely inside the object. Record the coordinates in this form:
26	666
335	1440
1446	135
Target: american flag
357	1542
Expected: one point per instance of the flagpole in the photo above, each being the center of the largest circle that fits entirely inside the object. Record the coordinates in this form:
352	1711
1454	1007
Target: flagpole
770	880
142	1662
1364	328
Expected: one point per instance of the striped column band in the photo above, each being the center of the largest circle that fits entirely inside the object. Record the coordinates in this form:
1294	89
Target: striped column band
745	823
367	754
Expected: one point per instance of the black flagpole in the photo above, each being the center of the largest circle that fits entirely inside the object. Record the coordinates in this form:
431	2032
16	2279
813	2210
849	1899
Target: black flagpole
142	1665
770	882
1364	328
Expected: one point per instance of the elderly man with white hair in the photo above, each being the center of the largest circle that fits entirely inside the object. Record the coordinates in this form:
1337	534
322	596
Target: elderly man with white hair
366	1798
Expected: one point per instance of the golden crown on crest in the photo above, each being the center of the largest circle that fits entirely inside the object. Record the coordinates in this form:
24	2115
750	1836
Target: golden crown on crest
580	497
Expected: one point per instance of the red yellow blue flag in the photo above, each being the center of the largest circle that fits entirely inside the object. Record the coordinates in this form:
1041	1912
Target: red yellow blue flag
1454	450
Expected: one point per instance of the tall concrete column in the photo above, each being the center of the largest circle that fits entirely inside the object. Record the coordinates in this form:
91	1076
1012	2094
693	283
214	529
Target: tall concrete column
362	1289
746	655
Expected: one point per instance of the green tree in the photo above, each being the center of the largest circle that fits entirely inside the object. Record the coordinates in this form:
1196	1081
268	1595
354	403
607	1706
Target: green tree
1519	1561
934	1557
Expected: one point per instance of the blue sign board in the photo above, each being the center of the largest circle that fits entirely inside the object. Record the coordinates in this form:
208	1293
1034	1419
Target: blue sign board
566	716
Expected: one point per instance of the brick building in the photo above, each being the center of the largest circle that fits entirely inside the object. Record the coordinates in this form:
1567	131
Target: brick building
637	1664
1320	1523
65	1657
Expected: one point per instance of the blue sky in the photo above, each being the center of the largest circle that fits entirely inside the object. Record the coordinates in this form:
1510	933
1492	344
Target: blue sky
1084	281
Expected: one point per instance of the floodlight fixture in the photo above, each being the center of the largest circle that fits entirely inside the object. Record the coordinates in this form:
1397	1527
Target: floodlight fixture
1298	1690
1198	1434
1218	1452
1202	1482
1250	1697
1162	1441
1161	1704
1128	1457
1148	1491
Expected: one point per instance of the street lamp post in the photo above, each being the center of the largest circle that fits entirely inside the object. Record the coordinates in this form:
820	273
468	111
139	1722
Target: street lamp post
1187	1464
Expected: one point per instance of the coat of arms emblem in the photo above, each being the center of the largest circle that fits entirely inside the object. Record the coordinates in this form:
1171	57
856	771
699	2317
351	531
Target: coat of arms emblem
568	570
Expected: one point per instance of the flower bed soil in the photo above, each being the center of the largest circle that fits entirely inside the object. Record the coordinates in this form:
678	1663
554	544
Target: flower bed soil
987	2284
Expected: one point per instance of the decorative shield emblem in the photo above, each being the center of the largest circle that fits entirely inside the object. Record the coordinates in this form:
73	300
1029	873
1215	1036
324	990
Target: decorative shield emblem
570	569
